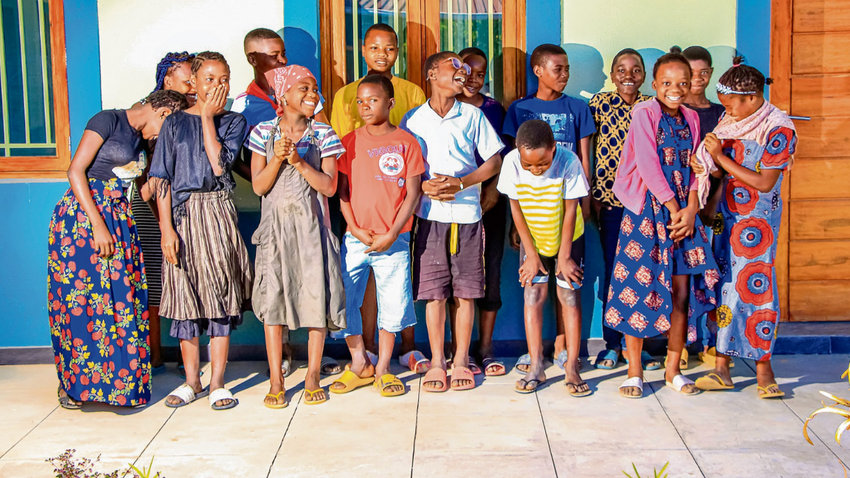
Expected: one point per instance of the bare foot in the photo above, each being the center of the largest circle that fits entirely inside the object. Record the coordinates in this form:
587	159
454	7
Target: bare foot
361	370
311	382
575	385
275	389
532	380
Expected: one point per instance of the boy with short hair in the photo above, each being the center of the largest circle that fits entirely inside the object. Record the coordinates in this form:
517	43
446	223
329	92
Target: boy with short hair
544	183
380	50
449	245
572	125
379	187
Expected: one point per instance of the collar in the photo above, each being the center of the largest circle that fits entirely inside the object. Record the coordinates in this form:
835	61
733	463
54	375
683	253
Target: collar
453	112
255	90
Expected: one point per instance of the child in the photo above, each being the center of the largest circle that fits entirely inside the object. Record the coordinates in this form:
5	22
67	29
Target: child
96	271
448	252
752	146
380	50
544	183
664	271
298	269
379	187
265	51
572	125
494	208
612	113
207	274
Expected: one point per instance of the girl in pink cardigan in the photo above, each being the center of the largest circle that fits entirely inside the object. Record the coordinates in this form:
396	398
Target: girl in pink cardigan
664	271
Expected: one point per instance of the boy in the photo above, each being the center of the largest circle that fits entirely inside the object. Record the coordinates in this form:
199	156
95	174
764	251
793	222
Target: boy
448	252
572	125
380	51
544	182
379	187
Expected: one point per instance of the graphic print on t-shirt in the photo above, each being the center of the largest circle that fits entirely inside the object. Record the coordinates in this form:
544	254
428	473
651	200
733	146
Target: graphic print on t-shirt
390	162
562	124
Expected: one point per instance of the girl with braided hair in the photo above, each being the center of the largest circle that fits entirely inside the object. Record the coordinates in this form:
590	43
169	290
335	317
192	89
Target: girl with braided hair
174	72
750	148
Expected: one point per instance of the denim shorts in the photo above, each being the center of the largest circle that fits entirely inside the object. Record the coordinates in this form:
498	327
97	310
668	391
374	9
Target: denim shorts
392	281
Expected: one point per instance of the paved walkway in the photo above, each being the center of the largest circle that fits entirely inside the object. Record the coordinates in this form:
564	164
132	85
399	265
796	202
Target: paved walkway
490	431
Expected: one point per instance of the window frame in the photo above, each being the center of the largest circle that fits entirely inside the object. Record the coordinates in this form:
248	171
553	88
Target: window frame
16	167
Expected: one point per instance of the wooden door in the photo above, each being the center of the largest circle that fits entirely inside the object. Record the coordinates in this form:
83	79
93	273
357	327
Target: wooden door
810	40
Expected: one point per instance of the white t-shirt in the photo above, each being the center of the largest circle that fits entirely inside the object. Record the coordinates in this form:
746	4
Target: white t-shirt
449	144
541	198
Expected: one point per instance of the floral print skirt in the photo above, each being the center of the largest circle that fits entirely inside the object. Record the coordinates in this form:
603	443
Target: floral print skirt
98	306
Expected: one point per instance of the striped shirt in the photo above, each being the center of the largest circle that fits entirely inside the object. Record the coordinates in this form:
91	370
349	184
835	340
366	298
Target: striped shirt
541	198
326	138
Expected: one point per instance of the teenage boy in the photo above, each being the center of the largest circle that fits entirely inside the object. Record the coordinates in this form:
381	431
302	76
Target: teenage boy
544	183
379	187
572	125
380	50
449	246
265	51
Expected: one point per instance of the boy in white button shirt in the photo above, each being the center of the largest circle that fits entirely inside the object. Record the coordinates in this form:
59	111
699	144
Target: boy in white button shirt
449	246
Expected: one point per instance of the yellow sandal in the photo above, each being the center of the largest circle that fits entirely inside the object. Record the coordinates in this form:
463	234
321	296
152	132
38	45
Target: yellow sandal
351	381
386	382
308	394
764	394
277	405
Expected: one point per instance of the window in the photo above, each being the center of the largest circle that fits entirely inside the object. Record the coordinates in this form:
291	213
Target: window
33	127
475	23
362	14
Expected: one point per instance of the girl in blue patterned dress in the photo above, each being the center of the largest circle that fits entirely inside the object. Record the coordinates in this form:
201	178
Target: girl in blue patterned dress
752	146
664	271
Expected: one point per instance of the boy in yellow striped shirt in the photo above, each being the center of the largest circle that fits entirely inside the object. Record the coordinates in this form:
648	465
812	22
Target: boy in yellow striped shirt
544	183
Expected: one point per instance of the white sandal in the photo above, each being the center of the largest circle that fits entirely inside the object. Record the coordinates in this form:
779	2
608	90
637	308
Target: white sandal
632	382
186	394
679	382
222	394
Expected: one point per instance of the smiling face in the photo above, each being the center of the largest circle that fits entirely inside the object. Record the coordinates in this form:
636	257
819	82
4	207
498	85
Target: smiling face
211	74
302	98
447	77
380	50
671	84
700	76
536	161
628	75
266	54
555	72
476	79
179	79
373	104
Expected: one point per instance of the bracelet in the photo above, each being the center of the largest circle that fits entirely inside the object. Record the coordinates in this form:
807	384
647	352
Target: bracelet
461	183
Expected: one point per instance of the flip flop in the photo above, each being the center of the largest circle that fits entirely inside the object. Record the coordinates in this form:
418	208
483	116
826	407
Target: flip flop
632	382
645	358
385	382
435	375
286	367
523	360
462	373
222	394
713	382
683	360
525	390
328	366
351	381
561	359
186	394
574	392
764	394
308	394
277	405
709	357
415	361
491	362
608	354
476	370
680	382
69	403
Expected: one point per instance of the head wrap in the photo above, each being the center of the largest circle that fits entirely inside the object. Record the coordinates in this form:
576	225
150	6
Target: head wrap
284	78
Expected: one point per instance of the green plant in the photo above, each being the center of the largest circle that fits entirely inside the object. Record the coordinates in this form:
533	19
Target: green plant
840	407
66	466
144	472
658	474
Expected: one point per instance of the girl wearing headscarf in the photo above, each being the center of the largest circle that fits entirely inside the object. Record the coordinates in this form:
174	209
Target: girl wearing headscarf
299	279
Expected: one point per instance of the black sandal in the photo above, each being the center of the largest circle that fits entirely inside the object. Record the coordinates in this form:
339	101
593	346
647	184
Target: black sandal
67	402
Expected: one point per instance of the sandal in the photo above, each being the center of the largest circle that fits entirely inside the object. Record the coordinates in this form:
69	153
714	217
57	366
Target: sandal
604	355
186	394
709	357
680	382
462	373
415	361
221	394
683	360
476	370
351	381
647	361
525	383
765	394
635	382
561	359
67	402
309	394
385	383
277	405
712	382
435	375
574	390
493	363
329	366
523	360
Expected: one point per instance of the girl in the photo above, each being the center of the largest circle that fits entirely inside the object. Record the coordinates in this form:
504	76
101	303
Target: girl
299	278
663	271
96	293
206	272
612	113
172	73
752	146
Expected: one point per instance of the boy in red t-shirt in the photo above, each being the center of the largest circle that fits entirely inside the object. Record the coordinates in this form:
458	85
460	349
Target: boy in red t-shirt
379	187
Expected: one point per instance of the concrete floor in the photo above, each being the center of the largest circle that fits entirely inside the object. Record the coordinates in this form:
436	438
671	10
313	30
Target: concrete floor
490	431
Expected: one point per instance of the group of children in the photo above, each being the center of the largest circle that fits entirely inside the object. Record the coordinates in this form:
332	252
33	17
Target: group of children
424	186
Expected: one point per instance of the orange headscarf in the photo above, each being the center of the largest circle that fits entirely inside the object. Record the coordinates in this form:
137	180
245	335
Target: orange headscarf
284	78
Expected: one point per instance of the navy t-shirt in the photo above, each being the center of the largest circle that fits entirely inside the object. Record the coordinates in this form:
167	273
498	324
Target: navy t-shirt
122	144
495	114
570	118
708	118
